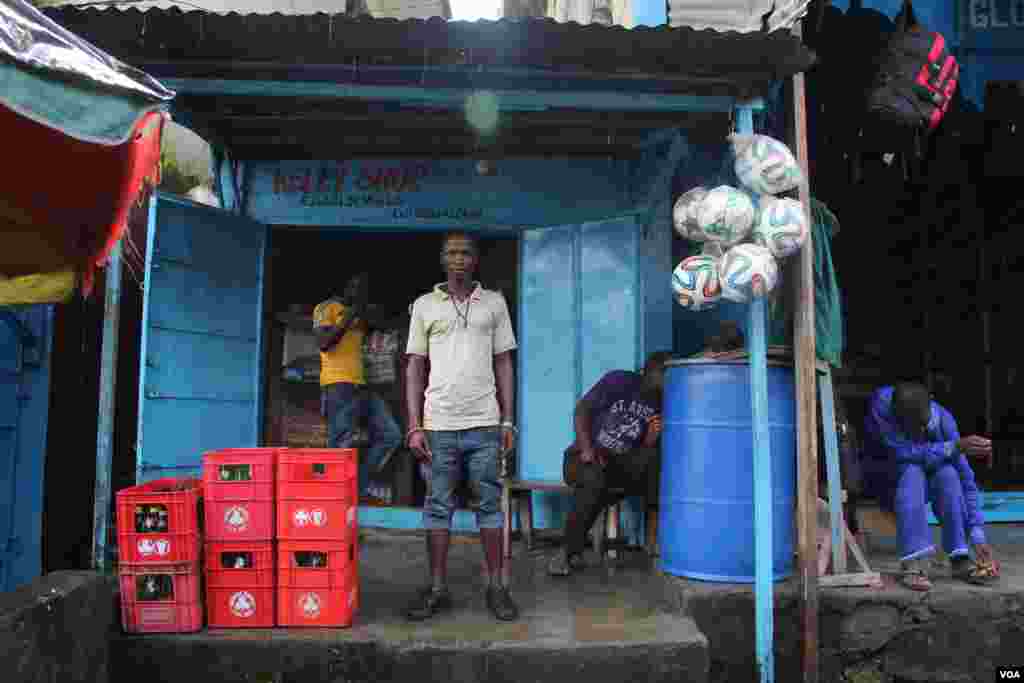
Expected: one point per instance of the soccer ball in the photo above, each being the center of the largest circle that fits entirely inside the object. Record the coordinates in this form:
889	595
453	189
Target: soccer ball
764	165
695	283
684	213
745	266
781	226
725	215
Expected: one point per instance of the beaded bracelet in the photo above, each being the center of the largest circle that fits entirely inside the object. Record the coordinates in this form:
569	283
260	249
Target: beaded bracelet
509	425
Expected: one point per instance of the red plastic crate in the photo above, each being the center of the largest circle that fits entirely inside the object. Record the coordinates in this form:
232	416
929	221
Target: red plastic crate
239	510
240	597
316	494
323	596
181	541
175	606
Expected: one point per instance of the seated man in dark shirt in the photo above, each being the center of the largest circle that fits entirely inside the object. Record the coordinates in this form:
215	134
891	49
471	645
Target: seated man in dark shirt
618	424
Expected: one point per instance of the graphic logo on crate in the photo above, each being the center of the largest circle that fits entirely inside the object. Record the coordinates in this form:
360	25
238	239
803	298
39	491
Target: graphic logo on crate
237	518
309	603
304	517
149	547
243	604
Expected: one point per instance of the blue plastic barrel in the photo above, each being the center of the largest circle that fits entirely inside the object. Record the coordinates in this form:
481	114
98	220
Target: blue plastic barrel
706	523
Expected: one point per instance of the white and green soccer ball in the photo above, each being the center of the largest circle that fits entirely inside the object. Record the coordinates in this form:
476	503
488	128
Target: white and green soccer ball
695	283
726	215
781	226
764	165
746	269
684	212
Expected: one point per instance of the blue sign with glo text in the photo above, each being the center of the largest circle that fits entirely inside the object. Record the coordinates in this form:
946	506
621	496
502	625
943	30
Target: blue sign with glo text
992	23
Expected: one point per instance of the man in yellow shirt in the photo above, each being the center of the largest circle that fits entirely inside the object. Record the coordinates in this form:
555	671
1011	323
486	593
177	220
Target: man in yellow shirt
341	325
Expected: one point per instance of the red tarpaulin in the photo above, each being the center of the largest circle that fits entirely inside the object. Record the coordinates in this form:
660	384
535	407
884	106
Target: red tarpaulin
65	202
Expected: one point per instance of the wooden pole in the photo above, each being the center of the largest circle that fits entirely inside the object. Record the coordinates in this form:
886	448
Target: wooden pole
806	410
107	406
757	345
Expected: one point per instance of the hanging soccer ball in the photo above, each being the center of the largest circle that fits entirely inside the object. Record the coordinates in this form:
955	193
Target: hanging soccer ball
764	165
746	268
725	215
781	226
695	283
684	213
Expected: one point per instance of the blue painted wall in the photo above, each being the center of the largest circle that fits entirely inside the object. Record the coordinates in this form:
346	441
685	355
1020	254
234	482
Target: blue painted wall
650	12
26	340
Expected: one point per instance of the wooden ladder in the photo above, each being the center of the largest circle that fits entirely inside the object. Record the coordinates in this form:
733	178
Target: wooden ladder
840	538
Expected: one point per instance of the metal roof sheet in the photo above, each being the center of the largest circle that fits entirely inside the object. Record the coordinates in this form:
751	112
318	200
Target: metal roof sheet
170	35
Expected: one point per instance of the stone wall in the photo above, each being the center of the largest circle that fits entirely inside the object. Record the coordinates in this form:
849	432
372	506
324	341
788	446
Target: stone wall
954	634
59	628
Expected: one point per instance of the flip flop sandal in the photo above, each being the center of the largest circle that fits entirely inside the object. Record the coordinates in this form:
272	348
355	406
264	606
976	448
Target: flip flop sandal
979	573
914	577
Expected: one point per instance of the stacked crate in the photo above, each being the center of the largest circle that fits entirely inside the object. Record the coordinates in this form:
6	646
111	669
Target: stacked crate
239	521
317	577
160	541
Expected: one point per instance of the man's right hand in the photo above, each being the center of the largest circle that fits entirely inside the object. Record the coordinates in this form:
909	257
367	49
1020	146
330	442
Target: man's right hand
592	455
420	447
975	447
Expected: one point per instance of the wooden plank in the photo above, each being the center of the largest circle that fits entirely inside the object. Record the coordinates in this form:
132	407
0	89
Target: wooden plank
535	485
858	554
863	579
807	428
107	405
835	504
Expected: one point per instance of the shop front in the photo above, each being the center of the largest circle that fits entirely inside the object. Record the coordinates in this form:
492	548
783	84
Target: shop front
228	345
352	145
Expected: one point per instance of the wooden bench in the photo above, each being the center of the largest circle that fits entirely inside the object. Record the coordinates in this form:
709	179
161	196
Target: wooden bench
517	498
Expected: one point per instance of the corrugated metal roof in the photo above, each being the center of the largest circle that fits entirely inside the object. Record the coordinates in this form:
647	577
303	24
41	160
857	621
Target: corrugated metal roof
681	52
383	9
736	15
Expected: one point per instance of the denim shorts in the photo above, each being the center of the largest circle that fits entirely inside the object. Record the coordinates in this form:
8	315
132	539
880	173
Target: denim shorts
472	453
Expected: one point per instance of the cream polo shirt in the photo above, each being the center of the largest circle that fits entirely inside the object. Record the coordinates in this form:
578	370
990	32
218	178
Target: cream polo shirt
461	391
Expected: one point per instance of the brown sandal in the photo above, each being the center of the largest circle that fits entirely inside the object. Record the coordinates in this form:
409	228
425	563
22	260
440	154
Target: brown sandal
914	576
978	573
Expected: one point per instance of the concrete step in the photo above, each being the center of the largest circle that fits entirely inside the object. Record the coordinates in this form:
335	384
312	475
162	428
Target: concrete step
668	649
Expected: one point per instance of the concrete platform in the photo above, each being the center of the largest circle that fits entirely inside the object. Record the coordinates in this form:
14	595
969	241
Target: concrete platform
601	625
625	622
956	633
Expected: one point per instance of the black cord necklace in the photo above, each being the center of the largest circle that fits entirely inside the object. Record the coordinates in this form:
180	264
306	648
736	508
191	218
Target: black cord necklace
462	315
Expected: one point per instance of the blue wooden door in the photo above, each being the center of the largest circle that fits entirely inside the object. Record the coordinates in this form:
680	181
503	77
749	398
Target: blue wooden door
200	375
579	318
25	342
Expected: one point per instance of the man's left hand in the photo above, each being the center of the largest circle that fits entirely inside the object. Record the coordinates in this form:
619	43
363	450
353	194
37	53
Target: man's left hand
508	439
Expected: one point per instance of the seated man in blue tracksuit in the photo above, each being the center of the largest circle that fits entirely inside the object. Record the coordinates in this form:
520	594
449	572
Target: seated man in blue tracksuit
913	456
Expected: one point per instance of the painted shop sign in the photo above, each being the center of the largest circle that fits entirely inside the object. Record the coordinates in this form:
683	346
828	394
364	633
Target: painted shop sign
992	15
371	193
994	24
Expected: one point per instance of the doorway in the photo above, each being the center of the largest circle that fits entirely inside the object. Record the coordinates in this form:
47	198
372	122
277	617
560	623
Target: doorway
306	266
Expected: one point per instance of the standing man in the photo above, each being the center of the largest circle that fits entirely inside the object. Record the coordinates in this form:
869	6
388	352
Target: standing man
914	456
618	426
341	325
462	419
